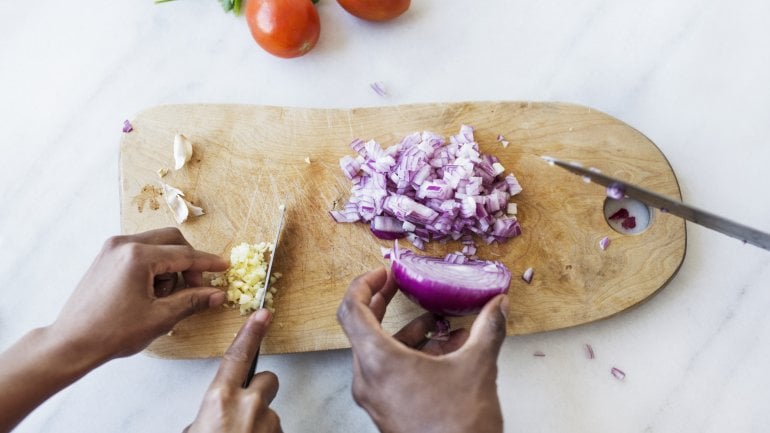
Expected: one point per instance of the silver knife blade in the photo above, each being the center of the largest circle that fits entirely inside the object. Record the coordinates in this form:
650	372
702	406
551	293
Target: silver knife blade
272	256
279	229
671	206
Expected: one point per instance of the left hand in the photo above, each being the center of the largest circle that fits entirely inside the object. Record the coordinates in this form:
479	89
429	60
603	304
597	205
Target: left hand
128	297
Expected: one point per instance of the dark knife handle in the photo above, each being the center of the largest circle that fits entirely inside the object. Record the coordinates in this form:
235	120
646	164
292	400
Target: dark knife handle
252	369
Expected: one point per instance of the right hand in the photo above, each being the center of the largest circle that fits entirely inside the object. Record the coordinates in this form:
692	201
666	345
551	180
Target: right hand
410	384
229	408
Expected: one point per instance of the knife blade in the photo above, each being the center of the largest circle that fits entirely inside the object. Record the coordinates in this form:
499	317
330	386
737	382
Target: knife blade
278	230
667	205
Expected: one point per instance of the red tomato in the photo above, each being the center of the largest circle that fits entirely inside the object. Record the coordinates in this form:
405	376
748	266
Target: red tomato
285	28
375	10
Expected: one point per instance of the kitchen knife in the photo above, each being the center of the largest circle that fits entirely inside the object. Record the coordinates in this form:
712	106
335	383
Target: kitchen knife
667	205
281	219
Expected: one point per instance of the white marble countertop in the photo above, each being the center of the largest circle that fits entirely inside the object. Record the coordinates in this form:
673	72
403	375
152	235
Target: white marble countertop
691	75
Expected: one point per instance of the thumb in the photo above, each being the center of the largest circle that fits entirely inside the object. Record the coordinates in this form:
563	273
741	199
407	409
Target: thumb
488	330
191	301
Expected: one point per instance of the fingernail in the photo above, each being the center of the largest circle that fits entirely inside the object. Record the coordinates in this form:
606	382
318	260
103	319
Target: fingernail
504	305
216	299
261	315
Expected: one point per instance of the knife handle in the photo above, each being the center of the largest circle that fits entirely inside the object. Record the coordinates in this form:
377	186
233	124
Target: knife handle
252	369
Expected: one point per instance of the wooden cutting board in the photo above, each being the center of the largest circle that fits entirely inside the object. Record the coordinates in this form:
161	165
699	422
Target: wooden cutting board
249	159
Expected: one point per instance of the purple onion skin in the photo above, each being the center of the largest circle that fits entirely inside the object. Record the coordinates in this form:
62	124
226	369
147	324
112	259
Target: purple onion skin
388	236
444	298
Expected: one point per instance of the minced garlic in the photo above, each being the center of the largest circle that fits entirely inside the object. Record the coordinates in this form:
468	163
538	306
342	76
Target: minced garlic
245	280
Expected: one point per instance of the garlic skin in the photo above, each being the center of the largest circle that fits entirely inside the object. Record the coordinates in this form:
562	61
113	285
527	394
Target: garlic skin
183	151
180	207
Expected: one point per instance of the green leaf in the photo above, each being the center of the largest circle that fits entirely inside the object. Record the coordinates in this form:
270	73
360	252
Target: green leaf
227	5
237	7
162	1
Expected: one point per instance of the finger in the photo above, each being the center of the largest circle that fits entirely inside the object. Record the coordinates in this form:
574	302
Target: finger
272	422
178	258
265	383
488	330
414	333
185	303
381	299
457	338
164	284
354	314
192	279
164	236
238	357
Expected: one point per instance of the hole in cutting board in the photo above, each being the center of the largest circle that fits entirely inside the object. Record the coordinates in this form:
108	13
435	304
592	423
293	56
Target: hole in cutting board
627	216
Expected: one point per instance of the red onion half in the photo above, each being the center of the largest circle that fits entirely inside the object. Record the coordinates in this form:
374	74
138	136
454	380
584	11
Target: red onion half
448	288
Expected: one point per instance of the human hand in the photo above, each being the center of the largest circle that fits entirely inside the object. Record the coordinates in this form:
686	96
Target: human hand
227	407
407	384
128	297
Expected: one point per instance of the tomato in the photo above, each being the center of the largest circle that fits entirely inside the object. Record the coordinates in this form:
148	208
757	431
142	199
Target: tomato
375	10
285	28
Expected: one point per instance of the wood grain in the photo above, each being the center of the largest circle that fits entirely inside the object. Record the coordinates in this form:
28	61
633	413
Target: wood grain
249	159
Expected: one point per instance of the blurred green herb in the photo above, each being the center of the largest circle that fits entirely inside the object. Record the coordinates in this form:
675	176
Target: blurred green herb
227	5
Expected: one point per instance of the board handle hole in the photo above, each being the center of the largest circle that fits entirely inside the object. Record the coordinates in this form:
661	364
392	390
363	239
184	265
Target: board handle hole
627	216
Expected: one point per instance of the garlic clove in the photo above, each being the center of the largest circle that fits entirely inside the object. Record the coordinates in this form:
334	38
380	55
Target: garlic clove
183	151
180	207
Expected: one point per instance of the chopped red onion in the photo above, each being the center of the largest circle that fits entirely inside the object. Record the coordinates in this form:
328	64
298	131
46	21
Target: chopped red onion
604	243
437	190
622	213
502	140
379	88
539	354
388	228
386	252
629	223
127	126
589	351
442	332
527	275
456	258
350	166
618	373
616	190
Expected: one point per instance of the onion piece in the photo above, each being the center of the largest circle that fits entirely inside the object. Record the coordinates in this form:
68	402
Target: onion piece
388	228
589	351
618	373
442	332
616	191
448	289
629	223
379	88
604	243
527	275
622	213
127	126
539	354
502	140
